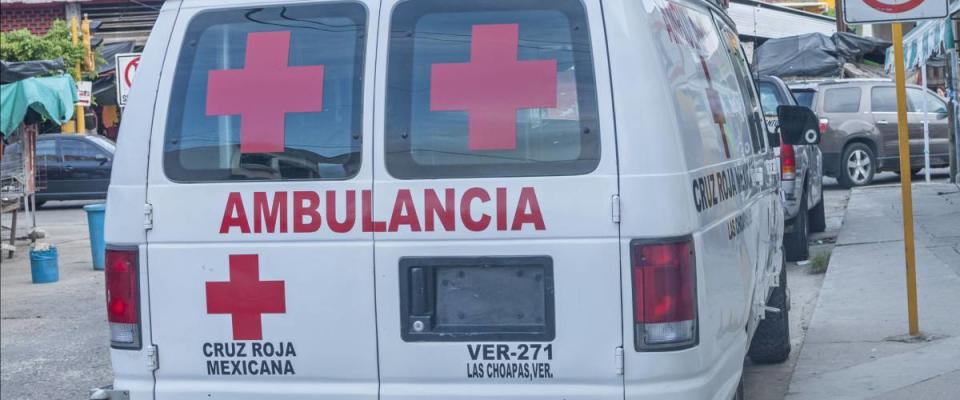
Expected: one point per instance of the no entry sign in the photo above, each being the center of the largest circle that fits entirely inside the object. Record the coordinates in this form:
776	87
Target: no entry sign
869	11
126	68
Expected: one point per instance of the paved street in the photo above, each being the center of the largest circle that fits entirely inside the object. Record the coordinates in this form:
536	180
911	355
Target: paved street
54	336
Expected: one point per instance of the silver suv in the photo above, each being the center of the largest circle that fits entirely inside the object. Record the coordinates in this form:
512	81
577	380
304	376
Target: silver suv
800	175
858	122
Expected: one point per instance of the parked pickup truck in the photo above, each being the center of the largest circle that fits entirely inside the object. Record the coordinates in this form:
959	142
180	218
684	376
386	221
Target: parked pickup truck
801	175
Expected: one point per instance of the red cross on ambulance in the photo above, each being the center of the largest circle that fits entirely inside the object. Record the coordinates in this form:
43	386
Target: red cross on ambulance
245	297
493	86
264	91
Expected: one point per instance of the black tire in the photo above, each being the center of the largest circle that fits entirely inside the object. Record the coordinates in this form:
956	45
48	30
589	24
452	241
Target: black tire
771	342
795	246
850	174
817	217
739	394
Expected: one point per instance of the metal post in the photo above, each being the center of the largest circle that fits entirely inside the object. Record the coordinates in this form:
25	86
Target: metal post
74	30
905	189
926	121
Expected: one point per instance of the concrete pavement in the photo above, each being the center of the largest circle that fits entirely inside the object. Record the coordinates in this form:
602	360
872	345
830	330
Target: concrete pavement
852	349
54	336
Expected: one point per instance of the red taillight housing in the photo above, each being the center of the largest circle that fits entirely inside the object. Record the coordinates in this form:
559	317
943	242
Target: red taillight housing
664	294
788	162
824	125
123	300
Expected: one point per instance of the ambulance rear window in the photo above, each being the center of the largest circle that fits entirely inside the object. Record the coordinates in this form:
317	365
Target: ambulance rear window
490	89
270	93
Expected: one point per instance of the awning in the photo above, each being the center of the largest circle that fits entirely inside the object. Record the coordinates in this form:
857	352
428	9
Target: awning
926	40
52	97
770	21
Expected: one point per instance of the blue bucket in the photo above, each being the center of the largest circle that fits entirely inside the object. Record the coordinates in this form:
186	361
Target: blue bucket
98	248
43	266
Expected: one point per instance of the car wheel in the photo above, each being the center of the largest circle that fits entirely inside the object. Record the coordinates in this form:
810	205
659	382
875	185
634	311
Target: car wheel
795	245
857	166
771	342
818	219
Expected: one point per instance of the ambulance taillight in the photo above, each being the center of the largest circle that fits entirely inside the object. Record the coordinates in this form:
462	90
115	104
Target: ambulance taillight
664	294
123	300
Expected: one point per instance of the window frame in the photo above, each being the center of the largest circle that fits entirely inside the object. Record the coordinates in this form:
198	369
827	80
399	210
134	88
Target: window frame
179	82
399	161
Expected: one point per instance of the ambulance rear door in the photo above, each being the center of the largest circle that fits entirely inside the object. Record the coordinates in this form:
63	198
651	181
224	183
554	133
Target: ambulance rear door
260	274
495	182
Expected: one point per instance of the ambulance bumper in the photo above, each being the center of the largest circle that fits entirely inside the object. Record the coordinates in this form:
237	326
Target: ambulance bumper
109	393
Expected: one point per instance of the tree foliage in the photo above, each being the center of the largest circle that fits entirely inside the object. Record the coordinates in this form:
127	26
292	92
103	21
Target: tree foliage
21	45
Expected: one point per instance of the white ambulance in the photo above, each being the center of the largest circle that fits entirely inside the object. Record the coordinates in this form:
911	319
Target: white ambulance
434	199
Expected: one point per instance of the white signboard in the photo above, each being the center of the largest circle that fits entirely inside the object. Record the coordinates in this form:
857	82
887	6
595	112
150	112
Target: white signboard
870	11
84	93
126	68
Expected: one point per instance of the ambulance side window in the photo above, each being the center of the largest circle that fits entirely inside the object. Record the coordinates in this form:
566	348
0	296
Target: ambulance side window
706	93
754	111
271	93
490	89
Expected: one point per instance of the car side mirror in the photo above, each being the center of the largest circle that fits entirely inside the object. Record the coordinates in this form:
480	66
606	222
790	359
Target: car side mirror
798	125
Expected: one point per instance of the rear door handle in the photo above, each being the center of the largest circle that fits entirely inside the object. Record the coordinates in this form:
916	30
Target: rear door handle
68	167
882	122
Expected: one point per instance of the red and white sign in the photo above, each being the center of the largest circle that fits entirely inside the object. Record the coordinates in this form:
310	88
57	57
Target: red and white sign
127	65
868	11
84	93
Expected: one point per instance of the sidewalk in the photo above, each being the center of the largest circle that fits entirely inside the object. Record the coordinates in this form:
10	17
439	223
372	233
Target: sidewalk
850	351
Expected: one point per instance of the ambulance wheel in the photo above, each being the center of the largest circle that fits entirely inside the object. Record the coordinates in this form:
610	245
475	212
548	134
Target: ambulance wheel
739	394
795	244
771	342
818	220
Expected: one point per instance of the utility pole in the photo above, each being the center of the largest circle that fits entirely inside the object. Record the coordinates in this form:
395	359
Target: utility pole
841	25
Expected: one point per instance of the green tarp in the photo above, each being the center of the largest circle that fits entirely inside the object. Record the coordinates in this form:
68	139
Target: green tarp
52	97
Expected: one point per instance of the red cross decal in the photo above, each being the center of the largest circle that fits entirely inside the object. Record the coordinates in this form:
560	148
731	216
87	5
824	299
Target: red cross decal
264	91
716	108
245	297
493	86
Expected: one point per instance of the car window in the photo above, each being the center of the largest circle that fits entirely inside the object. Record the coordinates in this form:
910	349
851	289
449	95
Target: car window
884	99
11	151
47	151
485	89
917	97
79	151
935	104
104	142
271	93
804	97
754	111
841	100
768	98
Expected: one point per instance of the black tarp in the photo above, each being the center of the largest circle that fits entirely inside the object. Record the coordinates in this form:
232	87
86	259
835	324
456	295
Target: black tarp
816	54
105	87
12	71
